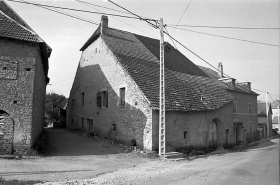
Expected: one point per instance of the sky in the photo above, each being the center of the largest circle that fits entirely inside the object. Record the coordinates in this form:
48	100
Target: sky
245	61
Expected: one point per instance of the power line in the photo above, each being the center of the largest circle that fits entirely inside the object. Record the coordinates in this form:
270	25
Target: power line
170	37
91	5
194	53
85	11
101	6
63	13
223	27
182	16
141	18
228	37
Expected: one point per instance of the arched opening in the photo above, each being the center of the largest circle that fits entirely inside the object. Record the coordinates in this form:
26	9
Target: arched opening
216	133
6	133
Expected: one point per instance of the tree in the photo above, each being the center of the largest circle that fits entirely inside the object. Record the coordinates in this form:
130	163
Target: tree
52	101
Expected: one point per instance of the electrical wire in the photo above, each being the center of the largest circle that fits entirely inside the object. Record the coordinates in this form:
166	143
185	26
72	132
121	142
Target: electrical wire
91	6
141	18
85	11
67	14
228	37
222	27
101	6
181	17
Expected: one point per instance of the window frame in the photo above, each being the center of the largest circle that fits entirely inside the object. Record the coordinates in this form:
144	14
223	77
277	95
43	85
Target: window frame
250	108
122	91
83	98
104	98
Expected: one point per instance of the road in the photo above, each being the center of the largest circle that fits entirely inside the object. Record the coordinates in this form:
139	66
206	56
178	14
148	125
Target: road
78	159
258	165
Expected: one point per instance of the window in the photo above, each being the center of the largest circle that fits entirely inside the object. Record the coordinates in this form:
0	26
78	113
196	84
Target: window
104	98
114	127
185	134
122	96
98	99
250	108
83	98
234	106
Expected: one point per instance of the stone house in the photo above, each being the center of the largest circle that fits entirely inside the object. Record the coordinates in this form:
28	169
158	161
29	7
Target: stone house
245	115
23	79
115	94
264	119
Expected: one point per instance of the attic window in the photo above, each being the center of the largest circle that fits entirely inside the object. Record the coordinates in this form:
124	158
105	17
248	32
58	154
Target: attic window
27	69
15	102
122	97
4	68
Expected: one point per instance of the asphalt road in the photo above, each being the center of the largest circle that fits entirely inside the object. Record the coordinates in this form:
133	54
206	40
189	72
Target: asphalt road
258	165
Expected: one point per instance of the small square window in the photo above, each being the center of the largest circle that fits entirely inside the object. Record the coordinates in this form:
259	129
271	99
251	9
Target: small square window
114	127
122	96
185	134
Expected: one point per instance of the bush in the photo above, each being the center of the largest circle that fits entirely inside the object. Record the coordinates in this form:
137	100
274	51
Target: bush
192	150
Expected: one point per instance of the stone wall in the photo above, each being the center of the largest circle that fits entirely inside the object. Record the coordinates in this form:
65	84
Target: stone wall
6	133
193	128
19	60
98	72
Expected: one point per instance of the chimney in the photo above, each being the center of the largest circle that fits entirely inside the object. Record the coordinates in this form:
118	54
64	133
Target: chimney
104	24
220	68
249	86
233	82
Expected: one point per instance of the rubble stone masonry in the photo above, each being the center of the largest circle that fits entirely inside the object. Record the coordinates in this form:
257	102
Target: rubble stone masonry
22	92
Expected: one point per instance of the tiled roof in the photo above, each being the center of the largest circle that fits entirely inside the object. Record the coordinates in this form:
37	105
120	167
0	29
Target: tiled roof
188	88
11	29
241	87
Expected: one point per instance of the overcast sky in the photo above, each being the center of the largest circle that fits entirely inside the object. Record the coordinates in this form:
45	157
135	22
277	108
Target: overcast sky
245	61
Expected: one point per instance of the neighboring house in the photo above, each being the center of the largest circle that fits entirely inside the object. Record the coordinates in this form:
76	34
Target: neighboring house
115	94
275	105
23	79
245	119
264	119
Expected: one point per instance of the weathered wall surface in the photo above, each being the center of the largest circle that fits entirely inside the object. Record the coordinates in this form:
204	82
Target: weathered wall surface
6	134
18	62
197	125
99	71
249	120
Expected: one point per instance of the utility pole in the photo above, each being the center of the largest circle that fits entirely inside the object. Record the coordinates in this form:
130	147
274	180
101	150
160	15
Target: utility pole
278	116
267	109
161	95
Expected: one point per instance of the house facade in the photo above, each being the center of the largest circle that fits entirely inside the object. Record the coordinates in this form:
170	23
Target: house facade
115	94
244	110
23	79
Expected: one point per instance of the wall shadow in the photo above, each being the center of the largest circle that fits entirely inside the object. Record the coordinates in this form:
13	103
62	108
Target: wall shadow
129	121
